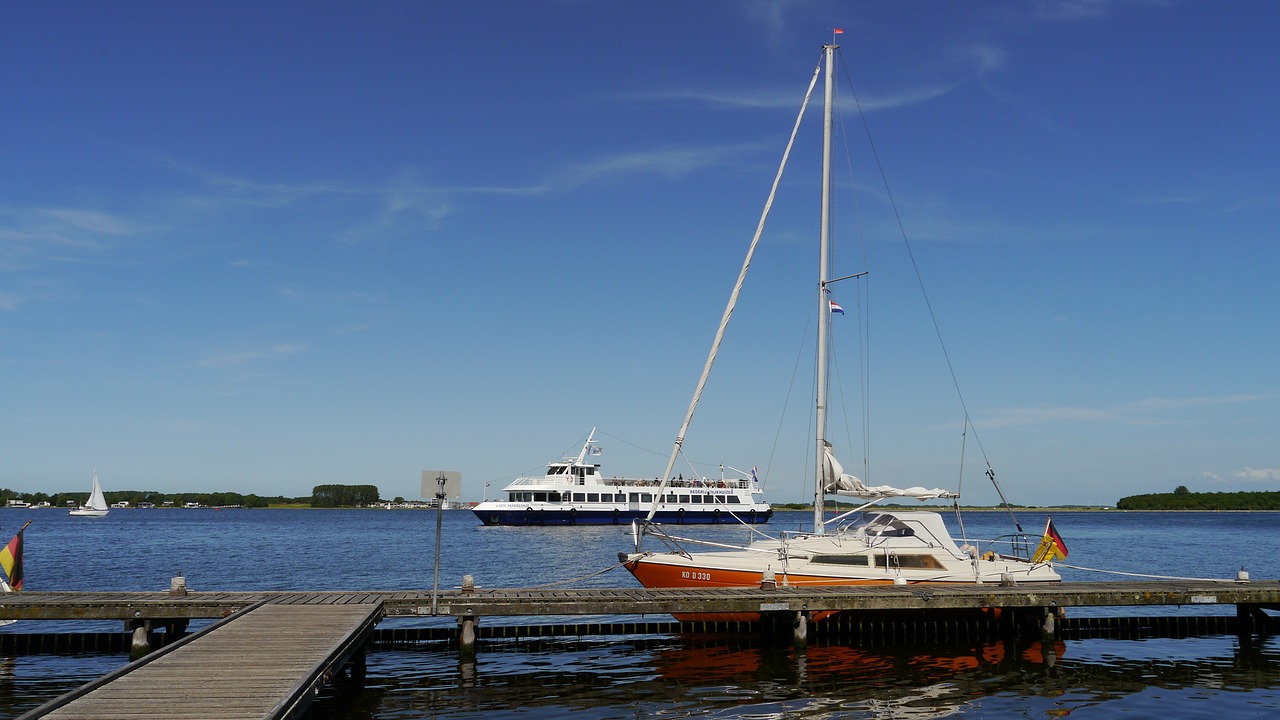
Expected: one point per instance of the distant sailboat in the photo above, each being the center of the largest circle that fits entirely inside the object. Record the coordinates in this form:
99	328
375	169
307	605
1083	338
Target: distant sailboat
97	505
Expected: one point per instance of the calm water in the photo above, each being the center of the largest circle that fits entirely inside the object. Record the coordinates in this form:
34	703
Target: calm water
661	677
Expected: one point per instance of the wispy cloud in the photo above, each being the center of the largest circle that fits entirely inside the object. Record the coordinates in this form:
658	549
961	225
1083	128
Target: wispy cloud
1259	474
1087	9
37	235
238	358
670	163
1152	411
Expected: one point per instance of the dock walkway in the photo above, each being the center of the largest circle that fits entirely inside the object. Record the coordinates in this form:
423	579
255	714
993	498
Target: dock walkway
273	650
265	662
534	602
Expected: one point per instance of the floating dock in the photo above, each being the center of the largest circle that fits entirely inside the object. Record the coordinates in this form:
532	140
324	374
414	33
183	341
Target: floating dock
270	651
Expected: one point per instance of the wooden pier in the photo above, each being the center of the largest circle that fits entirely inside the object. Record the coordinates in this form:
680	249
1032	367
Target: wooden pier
264	662
271	650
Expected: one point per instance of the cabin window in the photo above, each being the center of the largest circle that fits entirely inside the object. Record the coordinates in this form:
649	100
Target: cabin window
684	499
697	499
646	497
579	497
919	562
732	499
593	497
671	498
841	560
539	497
719	499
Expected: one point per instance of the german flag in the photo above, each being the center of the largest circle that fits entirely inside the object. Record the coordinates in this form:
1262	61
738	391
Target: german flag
1051	545
11	560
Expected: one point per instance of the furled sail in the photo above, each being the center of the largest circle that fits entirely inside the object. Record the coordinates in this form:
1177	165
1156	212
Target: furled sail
837	482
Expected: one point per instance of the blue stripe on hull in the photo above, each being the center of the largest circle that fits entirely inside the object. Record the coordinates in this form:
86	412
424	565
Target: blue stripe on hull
613	517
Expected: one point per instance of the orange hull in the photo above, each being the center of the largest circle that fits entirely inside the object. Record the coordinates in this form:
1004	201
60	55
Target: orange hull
657	575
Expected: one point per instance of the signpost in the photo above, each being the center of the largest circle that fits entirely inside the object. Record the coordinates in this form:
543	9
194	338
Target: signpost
440	484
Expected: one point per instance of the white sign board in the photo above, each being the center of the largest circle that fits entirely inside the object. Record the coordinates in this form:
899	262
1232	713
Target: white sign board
436	482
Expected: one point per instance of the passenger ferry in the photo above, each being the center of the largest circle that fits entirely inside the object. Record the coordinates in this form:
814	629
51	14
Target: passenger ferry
574	492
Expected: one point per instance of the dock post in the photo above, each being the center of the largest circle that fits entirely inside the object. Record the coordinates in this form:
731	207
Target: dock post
467	636
802	629
140	643
1047	629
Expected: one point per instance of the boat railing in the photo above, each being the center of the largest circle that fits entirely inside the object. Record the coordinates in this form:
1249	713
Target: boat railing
1015	545
641	527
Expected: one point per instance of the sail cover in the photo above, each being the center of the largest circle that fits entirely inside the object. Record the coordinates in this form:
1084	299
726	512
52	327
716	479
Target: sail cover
836	481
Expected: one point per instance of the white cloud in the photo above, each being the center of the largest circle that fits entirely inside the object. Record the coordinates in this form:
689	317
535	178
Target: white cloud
1258	474
670	163
237	358
1142	412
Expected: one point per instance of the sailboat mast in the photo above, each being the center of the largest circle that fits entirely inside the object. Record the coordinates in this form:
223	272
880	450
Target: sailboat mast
824	308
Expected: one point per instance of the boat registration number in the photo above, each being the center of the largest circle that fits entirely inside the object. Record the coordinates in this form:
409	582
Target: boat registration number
692	575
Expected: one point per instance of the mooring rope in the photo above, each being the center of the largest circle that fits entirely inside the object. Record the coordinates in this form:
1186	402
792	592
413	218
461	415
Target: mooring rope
615	566
1144	575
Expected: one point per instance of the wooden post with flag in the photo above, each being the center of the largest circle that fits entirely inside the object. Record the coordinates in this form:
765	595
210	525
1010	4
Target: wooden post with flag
11	560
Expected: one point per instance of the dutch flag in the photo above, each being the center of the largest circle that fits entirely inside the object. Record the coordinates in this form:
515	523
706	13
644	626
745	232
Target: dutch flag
836	309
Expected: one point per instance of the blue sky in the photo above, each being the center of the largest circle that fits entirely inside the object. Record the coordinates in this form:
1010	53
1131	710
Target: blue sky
258	247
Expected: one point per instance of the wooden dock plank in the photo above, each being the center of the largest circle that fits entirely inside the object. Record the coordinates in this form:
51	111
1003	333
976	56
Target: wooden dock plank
265	663
641	601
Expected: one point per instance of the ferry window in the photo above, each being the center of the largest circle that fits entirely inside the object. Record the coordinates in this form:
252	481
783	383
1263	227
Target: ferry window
719	499
646	497
684	499
671	498
539	497
593	497
635	497
579	497
733	499
620	497
697	499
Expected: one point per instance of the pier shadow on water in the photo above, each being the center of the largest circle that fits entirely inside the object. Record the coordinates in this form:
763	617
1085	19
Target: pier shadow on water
746	678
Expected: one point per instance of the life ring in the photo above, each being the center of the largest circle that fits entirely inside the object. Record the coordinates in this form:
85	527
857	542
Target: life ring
715	516
751	517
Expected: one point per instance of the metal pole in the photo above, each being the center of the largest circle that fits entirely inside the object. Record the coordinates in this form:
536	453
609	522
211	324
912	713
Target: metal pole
435	585
824	310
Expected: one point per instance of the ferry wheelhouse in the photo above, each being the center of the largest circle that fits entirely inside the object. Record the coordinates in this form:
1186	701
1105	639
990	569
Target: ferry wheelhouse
574	492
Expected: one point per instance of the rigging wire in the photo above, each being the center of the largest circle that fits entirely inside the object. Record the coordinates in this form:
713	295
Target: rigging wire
875	154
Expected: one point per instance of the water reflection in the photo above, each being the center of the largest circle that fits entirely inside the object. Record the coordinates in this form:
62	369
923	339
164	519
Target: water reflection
744	678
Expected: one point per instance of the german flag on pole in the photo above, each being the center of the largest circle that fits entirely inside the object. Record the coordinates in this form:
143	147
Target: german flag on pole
11	560
1051	545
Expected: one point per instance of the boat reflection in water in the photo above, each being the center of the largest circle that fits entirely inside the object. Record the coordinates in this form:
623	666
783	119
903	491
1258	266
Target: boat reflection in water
888	681
700	676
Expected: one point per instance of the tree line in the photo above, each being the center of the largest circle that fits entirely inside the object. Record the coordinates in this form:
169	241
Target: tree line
322	496
1182	499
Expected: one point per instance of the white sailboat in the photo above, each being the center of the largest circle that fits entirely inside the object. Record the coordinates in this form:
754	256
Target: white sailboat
863	546
97	505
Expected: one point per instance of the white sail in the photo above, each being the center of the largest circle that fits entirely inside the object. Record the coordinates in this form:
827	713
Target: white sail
96	499
97	505
837	482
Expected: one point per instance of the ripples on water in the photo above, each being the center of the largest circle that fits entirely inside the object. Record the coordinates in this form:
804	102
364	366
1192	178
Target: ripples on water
667	677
